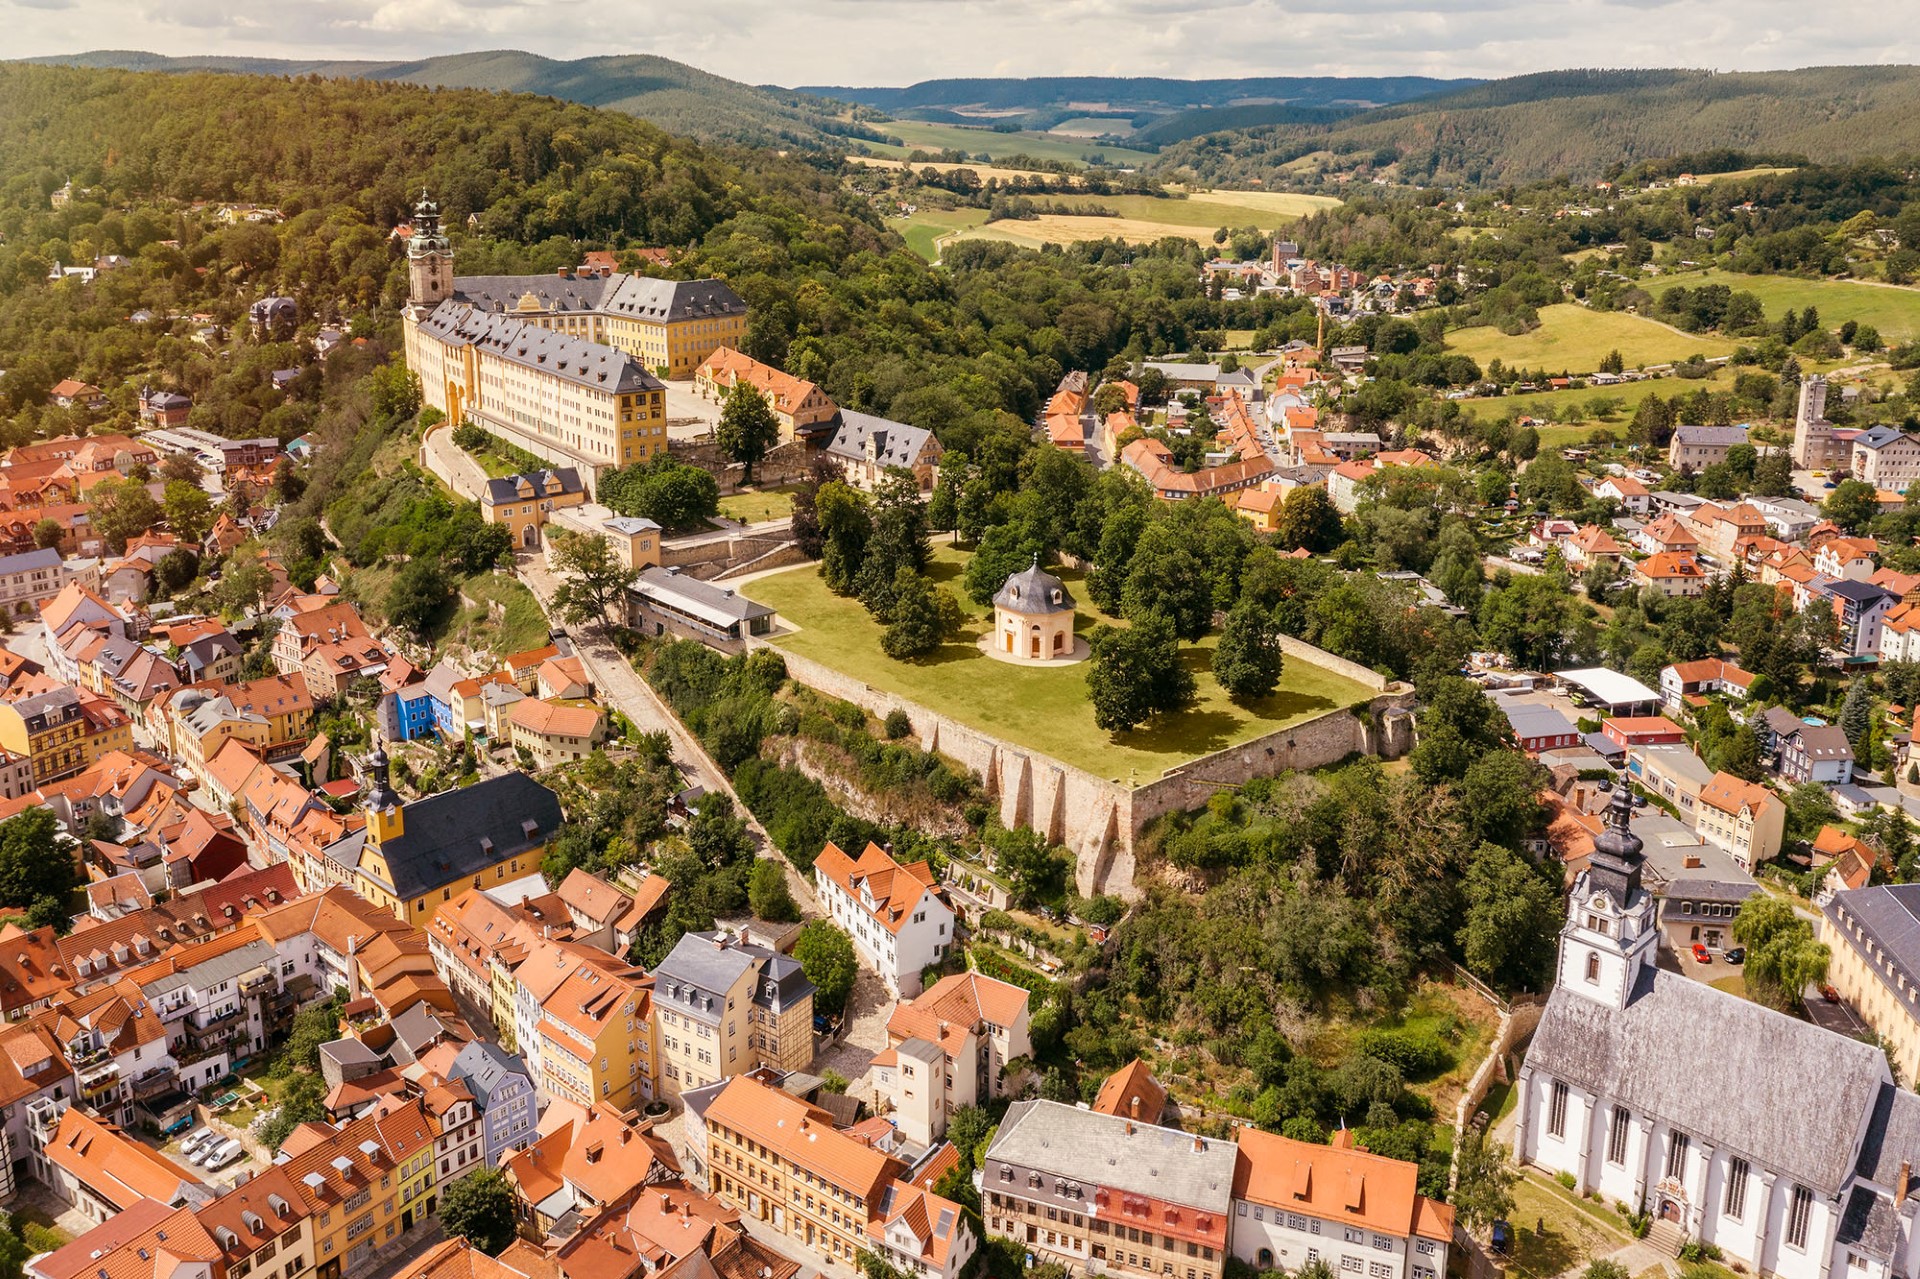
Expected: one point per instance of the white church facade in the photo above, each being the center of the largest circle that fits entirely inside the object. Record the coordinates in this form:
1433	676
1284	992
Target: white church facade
1787	1146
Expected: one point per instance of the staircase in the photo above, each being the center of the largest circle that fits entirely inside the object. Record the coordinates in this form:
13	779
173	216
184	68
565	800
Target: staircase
1666	1237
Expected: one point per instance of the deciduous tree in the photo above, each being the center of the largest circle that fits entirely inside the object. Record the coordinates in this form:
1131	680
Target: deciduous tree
1136	673
1248	661
748	428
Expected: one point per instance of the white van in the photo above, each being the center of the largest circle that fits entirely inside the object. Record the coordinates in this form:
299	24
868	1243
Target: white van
224	1153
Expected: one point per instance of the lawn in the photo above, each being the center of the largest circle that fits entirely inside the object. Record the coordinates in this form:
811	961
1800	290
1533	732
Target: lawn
926	229
522	626
1554	1231
1576	338
1571	406
1894	311
754	505
1043	708
925	135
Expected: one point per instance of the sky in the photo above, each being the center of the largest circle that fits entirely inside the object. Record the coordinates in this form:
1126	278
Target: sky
896	42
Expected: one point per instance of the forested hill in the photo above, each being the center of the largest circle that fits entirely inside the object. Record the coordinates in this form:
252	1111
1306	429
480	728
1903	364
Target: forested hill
1149	93
679	98
1587	124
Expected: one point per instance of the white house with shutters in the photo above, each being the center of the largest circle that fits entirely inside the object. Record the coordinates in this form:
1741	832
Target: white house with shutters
895	913
1788	1147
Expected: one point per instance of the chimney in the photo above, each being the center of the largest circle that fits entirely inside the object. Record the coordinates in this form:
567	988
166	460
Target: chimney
1199	1145
1129	1127
1906	1175
1133	1106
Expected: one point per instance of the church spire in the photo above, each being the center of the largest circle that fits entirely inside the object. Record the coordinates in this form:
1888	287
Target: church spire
1616	862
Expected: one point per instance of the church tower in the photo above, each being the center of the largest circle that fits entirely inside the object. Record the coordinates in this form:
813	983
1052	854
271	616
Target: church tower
429	258
385	819
1609	937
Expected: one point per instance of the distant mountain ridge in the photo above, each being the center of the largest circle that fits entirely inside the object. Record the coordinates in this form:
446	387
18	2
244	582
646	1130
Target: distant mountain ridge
676	97
1152	93
1588	123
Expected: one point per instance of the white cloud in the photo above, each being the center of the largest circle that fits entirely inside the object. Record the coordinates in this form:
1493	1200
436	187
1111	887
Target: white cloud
900	41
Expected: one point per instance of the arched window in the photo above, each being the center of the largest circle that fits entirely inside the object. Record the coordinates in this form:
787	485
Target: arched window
1265	1259
1593	968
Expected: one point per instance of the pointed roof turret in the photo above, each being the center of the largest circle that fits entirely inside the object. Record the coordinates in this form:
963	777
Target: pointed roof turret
1616	863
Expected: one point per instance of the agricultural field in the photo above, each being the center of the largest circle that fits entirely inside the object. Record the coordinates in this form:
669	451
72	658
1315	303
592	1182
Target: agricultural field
984	171
1043	708
1092	126
926	229
1576	339
1894	310
924	135
1143	217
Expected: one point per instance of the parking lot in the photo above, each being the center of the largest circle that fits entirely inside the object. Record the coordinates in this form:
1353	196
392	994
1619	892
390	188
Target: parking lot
251	1160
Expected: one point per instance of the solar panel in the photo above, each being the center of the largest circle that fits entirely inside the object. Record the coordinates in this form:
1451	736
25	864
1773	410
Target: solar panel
944	1225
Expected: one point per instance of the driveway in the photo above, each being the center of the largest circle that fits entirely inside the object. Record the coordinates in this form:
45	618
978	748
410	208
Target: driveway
688	414
451	462
863	1035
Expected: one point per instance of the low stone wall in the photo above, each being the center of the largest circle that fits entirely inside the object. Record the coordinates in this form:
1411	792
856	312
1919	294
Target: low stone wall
1099	818
590	472
711	555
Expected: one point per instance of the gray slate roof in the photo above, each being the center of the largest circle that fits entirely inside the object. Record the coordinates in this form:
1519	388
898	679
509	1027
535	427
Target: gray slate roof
26	561
1784	1093
573	359
895	443
1034	591
718	605
1888	917
1529	720
507	488
484	1065
440	839
1099	1150
1710	434
671	300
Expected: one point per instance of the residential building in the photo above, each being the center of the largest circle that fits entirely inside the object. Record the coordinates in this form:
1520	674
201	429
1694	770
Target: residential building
1356	1212
1745	818
99	1170
367	1182
803	409
571	1184
1687	683
780	1161
1132	1092
1859	608
477	943
949	1047
1630	493
1589	546
606	916
1109	1195
919	1233
1629	731
1886	458
555	732
1787	1147
1666	535
220	999
597	1038
1694	910
1697	447
50	729
525	502
504	1095
1154	463
1673	574
665	601
30	578
1803	752
1851	558
725	1007
896	914
867	447
409	857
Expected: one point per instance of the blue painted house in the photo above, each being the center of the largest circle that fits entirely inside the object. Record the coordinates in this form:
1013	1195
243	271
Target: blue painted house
503	1092
405	713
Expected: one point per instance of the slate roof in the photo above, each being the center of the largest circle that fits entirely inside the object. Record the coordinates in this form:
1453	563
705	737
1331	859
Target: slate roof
573	359
1127	1156
1783	1092
502	491
896	443
440	839
483	1066
26	561
1888	917
1034	591
717	605
670	301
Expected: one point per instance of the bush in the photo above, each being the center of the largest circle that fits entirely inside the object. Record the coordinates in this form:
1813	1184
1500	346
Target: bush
1418	1053
1566	1179
897	725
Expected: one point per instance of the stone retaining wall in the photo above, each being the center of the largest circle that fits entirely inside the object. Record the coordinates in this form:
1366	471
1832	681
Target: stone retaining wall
1099	818
783	464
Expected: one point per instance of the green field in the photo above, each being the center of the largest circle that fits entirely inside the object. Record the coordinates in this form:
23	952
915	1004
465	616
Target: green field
1894	311
1576	338
755	505
924	135
925	228
1044	708
1141	218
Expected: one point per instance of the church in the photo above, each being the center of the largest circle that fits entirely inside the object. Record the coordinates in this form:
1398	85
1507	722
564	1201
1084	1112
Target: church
1787	1146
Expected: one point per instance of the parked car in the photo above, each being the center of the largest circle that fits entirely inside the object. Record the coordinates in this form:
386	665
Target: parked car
1738	955
1829	994
1700	955
224	1153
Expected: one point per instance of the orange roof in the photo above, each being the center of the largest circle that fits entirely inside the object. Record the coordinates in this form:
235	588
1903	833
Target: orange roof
1636	724
1668	565
918	1211
1711	668
119	1169
729	367
1066	432
1132	1092
1669	531
1336	1183
532	657
1832	842
1595	540
894	888
555	719
955	1006
803	1136
1260	501
591	999
1624	485
1729	794
1154	462
587	894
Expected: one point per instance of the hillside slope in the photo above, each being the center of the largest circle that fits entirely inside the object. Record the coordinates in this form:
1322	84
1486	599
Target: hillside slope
1151	93
1587	123
679	98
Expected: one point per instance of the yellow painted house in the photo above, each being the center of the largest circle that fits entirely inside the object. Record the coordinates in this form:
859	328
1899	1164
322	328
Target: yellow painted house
597	1043
415	857
50	729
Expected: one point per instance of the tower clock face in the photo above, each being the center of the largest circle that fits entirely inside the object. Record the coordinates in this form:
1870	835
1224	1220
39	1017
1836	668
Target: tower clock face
1599	901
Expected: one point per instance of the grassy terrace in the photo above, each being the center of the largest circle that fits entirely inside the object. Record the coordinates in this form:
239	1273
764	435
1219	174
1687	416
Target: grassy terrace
1043	708
1576	338
1894	311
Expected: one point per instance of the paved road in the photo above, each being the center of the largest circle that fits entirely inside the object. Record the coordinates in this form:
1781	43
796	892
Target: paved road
621	687
451	462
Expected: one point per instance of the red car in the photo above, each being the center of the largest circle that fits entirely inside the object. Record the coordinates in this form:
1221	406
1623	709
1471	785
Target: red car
1700	955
